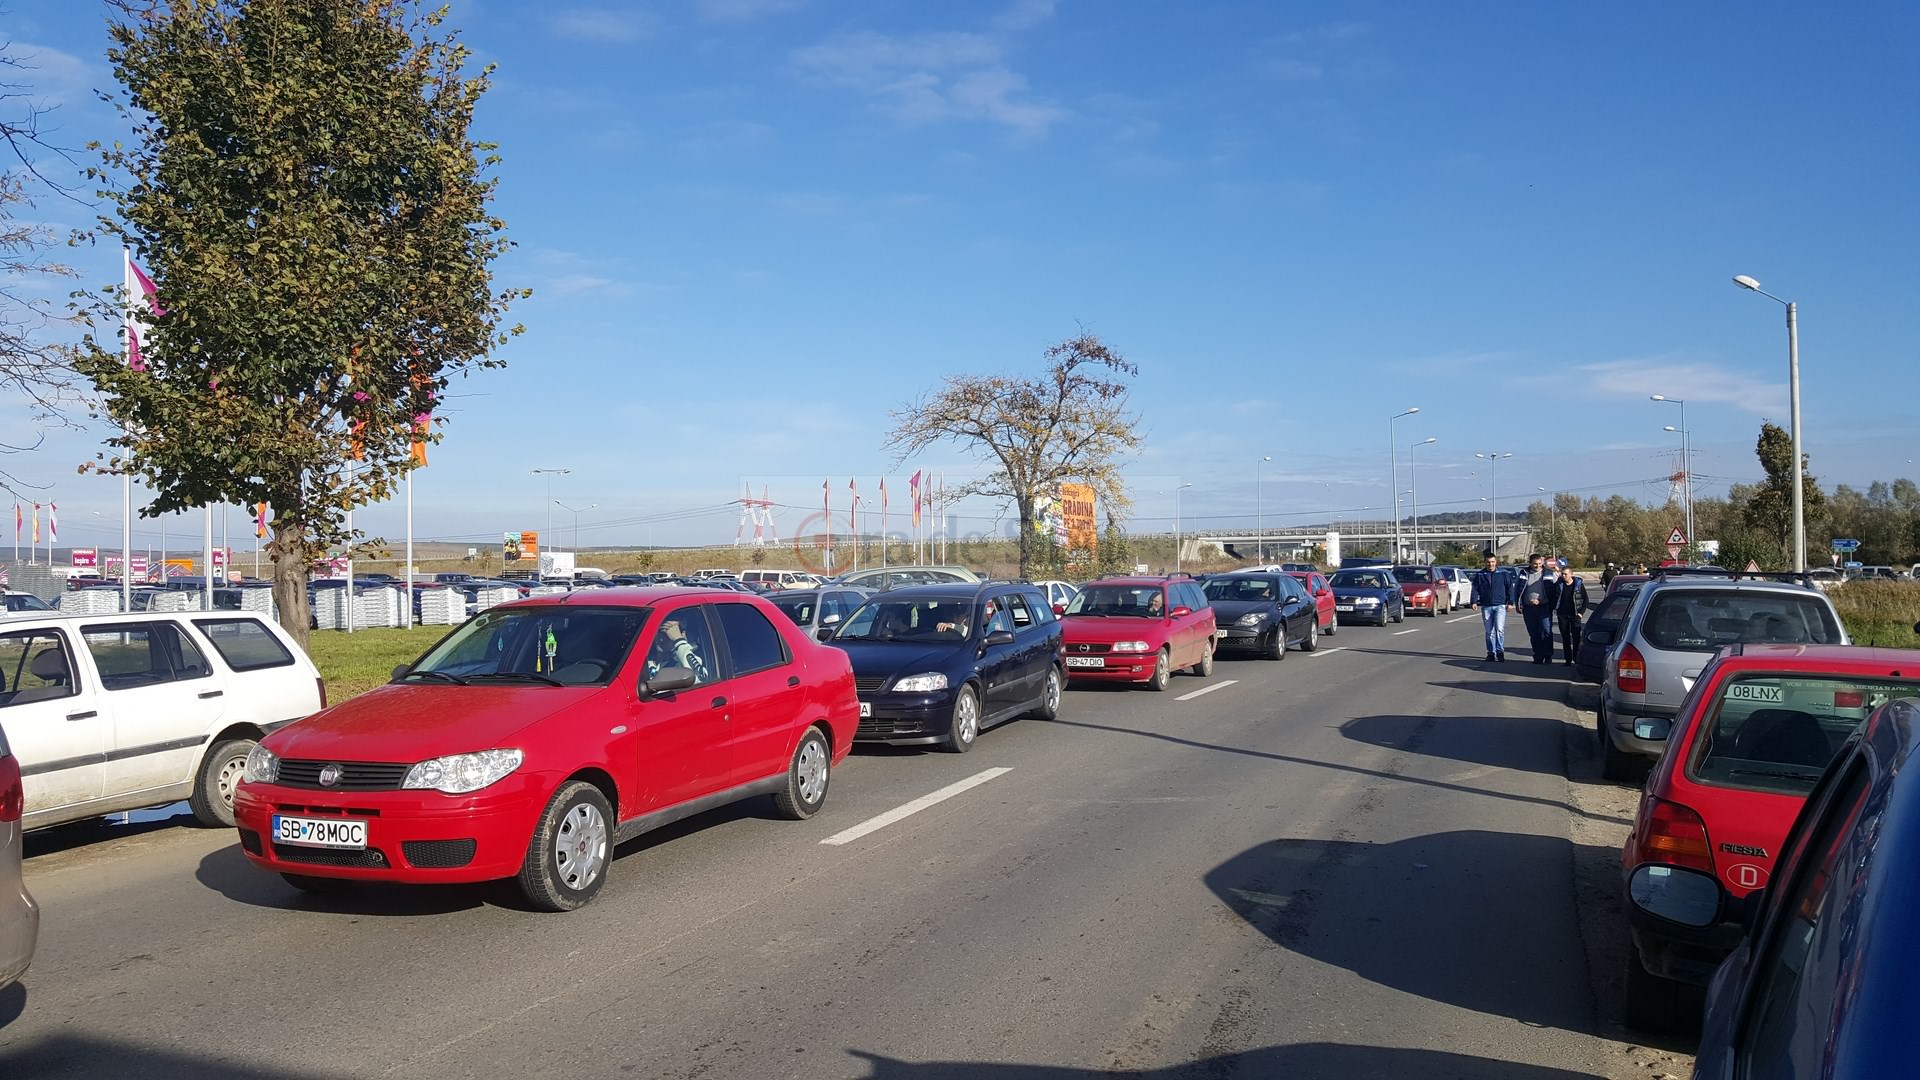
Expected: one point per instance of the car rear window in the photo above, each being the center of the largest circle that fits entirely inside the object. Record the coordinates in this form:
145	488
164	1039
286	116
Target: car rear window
244	644
1779	732
1704	621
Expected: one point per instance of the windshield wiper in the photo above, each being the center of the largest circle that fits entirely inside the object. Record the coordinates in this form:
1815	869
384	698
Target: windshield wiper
435	675
517	676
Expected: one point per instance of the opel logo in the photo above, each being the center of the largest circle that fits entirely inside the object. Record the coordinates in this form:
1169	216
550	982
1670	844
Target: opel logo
329	775
1086	648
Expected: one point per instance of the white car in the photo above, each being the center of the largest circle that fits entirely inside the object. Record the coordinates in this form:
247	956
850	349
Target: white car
1059	593
19	915
121	712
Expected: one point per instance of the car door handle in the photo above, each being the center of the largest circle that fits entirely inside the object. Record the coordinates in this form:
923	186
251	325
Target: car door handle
719	703
211	694
793	680
88	715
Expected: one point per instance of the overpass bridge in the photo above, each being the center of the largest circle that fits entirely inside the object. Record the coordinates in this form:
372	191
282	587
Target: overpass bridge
1513	539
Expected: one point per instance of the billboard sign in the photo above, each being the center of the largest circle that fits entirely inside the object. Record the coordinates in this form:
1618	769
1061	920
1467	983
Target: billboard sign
510	547
88	558
530	545
1077	511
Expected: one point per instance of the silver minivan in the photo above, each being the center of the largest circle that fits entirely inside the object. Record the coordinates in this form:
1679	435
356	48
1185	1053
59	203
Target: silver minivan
1675	626
19	915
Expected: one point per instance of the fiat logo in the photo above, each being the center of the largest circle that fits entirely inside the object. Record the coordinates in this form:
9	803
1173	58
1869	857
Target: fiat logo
329	775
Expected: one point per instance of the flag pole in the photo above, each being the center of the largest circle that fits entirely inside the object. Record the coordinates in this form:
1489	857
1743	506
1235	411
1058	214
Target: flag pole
206	552
126	474
406	602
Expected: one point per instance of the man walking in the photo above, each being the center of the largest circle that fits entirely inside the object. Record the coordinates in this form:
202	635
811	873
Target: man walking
1493	596
1570	602
1536	607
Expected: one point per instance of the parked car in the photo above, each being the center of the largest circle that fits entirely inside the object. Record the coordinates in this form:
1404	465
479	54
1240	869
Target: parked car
814	609
23	601
542	733
779	580
1323	604
120	712
1627	583
1597	635
1370	594
1459	585
1059	593
1424	590
1672	630
1139	630
939	664
1822	984
1262	613
1752	739
881	579
19	915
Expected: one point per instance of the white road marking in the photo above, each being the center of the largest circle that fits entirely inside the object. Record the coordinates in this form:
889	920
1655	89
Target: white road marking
1464	618
1261	898
1326	652
907	810
1402	633
1222	685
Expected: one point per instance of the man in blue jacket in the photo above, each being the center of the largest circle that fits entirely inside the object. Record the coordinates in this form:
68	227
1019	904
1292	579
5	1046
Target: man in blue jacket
1494	595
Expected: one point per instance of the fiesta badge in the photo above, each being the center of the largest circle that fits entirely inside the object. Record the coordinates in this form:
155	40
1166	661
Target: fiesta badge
329	775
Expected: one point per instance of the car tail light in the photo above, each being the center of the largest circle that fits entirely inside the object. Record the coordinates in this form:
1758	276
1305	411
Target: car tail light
1676	836
1631	676
322	684
12	798
1848	699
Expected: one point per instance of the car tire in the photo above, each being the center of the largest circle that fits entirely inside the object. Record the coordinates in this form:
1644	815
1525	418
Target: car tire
1048	707
808	775
1333	626
1312	641
308	883
571	850
1399	616
1653	1004
1275	647
1205	667
1162	671
220	771
966	722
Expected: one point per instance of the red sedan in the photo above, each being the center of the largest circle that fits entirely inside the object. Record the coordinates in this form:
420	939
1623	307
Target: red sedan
1316	585
542	733
1138	630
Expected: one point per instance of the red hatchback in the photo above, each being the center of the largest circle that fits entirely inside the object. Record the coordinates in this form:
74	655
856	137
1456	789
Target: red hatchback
1138	630
542	733
1316	585
1756	730
1425	590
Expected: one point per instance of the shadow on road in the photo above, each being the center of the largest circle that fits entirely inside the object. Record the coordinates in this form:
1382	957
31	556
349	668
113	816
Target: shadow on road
79	834
1474	919
1476	740
13	1002
66	1056
1301	1061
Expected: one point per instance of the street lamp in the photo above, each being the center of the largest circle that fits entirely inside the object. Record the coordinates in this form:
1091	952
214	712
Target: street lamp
1413	482
1493	524
1259	522
1553	520
1393	468
1176	525
1793	407
546	537
1686	459
576	512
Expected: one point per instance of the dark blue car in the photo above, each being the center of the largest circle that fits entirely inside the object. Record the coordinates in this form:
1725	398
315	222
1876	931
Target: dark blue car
1367	595
939	664
1823	983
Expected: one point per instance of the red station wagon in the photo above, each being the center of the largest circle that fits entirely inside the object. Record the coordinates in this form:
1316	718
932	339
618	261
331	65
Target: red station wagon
540	734
1751	739
1138	630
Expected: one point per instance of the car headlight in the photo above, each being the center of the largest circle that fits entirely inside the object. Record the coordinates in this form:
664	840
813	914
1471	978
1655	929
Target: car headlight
1129	646
1253	618
458	774
920	684
1423	593
1366	601
263	766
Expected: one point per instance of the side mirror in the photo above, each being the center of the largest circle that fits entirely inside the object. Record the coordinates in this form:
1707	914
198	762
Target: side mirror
829	620
1677	895
1179	612
825	633
667	683
1291	601
998	637
1652	728
401	669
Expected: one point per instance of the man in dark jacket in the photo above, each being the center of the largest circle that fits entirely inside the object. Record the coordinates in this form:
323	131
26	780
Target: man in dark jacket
1570	602
1493	596
1536	607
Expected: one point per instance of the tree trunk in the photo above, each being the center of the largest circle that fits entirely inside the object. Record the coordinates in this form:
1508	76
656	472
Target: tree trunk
290	569
1025	506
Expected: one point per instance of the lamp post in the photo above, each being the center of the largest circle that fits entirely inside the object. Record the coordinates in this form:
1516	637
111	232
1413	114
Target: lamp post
1176	525
1493	521
1413	483
576	512
1259	522
1686	458
1793	407
1393	468
546	537
1553	520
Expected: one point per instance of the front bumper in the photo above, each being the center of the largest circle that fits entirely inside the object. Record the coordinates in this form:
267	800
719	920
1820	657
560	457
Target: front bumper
418	837
1429	603
1236	637
906	719
1360	613
1119	667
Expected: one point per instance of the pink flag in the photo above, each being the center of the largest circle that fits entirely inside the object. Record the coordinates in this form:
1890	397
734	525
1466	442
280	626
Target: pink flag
18	520
53	523
913	484
140	293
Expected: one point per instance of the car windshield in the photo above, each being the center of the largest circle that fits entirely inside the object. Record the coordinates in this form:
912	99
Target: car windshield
562	645
1412	573
1359	579
1230	588
915	620
1772	732
1120	600
797	608
26	602
1703	621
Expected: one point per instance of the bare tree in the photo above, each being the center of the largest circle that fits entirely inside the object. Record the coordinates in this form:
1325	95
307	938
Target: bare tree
1069	424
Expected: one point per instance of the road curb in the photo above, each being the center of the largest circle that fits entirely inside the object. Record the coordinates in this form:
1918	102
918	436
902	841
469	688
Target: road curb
1583	696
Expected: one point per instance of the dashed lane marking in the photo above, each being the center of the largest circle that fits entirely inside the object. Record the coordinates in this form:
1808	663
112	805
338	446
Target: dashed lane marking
1326	652
1205	690
908	809
1403	633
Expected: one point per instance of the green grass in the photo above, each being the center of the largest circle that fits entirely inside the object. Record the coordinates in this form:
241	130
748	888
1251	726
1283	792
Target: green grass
355	663
1879	612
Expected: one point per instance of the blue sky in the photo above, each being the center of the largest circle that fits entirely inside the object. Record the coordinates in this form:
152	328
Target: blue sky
753	227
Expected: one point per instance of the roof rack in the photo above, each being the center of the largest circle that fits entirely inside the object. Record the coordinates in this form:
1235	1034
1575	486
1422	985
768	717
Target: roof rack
1661	572
1791	577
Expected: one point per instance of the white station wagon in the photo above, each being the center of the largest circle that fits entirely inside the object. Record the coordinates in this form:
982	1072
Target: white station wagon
122	712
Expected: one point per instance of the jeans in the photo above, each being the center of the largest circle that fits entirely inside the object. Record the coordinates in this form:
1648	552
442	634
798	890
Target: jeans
1494	619
1539	620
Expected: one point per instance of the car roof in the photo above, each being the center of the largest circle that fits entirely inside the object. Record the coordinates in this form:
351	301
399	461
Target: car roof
635	596
1144	579
1714	584
1850	658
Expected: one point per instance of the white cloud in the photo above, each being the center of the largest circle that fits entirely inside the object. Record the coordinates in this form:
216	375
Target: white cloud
742	10
1024	15
605	25
932	78
50	78
1689	380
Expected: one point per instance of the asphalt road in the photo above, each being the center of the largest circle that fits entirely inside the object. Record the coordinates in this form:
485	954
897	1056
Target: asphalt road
1350	864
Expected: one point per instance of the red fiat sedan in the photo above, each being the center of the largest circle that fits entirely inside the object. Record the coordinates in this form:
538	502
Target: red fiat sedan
532	740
